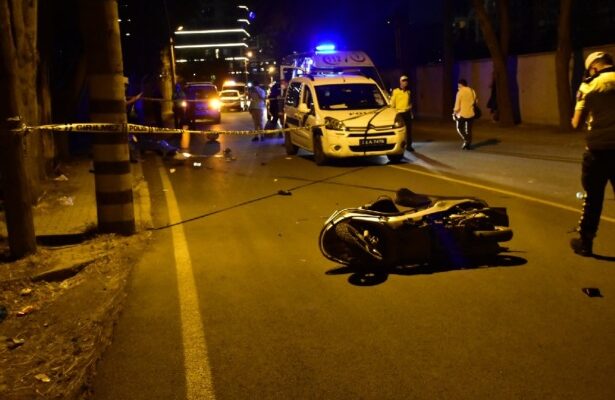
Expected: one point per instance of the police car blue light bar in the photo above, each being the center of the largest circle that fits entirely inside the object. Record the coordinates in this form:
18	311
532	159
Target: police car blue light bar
325	47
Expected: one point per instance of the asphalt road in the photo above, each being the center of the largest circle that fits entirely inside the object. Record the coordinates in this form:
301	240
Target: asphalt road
237	302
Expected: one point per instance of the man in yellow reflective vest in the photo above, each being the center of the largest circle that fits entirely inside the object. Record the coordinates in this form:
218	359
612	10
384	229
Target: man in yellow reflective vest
400	100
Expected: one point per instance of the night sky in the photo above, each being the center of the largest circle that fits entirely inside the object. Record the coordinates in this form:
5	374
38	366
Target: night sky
351	24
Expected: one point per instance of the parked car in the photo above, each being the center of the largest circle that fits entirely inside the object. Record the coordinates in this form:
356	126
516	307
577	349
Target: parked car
342	115
202	103
232	100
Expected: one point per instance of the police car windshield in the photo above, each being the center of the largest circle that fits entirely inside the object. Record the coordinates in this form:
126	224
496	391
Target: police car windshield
351	96
229	93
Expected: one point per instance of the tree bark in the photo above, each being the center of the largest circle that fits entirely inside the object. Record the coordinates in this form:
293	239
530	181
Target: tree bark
505	106
18	102
113	177
562	65
448	61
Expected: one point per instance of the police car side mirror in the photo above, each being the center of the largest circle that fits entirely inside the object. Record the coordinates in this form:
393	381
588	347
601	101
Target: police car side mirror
303	108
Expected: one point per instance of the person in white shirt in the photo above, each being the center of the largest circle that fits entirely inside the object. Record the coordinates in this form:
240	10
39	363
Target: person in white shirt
257	108
464	112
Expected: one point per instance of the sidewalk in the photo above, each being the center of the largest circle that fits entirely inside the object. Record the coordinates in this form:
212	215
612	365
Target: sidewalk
68	203
549	139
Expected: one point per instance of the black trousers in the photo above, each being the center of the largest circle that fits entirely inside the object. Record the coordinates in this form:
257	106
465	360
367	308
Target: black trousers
407	116
464	129
598	169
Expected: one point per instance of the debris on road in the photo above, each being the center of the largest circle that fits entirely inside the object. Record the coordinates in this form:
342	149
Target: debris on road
285	193
3	313
592	292
61	178
172	170
25	292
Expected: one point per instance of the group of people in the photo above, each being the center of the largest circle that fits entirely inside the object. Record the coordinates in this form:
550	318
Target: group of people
595	107
266	107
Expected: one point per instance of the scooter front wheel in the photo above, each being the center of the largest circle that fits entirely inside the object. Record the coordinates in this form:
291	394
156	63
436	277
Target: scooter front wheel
359	247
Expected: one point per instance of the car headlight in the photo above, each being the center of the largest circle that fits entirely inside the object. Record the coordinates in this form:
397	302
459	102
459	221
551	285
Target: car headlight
399	121
334	124
215	104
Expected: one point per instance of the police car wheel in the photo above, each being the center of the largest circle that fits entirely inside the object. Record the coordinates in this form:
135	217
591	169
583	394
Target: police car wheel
291	149
395	158
319	154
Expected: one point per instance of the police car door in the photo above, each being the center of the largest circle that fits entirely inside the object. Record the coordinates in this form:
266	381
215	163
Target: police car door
292	100
308	116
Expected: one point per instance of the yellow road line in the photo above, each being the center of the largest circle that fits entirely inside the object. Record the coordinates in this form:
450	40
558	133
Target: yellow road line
501	191
199	383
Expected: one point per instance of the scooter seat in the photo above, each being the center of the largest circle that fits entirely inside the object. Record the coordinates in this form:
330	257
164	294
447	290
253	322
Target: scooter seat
384	204
407	198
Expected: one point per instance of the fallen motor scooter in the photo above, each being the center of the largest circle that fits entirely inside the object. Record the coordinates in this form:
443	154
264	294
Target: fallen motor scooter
448	230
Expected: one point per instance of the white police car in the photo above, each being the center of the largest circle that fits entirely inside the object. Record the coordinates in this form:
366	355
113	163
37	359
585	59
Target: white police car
341	116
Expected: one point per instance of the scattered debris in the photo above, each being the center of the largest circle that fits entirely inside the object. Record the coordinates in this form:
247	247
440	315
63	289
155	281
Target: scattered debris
25	292
197	164
13	343
263	164
285	193
592	292
25	311
275	180
61	178
288	158
172	170
66	201
42	378
3	313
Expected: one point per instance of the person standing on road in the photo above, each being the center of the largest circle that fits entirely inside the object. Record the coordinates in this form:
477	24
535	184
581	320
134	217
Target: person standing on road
274	109
257	109
463	113
402	102
596	107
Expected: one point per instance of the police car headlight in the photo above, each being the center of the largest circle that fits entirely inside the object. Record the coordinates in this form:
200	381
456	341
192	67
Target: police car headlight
399	122
334	124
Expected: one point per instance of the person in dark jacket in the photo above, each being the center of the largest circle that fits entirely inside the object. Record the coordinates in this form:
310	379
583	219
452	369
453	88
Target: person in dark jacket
596	107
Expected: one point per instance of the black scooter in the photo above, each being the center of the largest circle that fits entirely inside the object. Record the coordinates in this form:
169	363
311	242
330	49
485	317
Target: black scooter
447	230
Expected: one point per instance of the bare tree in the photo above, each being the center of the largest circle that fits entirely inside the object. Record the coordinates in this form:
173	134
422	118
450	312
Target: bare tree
448	60
562	65
18	99
498	55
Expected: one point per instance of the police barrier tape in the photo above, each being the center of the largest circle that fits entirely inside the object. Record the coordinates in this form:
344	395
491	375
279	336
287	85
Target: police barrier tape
134	128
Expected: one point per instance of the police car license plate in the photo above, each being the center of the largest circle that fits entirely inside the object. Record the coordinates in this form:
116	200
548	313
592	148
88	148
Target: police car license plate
372	142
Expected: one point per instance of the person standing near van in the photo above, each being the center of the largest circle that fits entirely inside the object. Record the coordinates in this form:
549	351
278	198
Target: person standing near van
257	109
596	106
463	113
402	102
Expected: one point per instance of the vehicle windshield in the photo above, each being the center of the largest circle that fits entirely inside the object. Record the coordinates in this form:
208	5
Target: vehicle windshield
238	88
229	93
351	96
201	92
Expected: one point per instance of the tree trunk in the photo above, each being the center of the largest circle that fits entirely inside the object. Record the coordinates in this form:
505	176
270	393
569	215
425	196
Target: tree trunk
18	99
166	88
504	19
113	177
505	106
448	61
562	65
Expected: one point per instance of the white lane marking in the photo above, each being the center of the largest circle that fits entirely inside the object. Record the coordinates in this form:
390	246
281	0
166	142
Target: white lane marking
199	384
501	191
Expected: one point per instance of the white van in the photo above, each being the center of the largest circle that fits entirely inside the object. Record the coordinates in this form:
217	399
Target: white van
342	116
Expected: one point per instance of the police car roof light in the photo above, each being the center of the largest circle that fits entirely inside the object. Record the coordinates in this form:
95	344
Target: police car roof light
325	47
